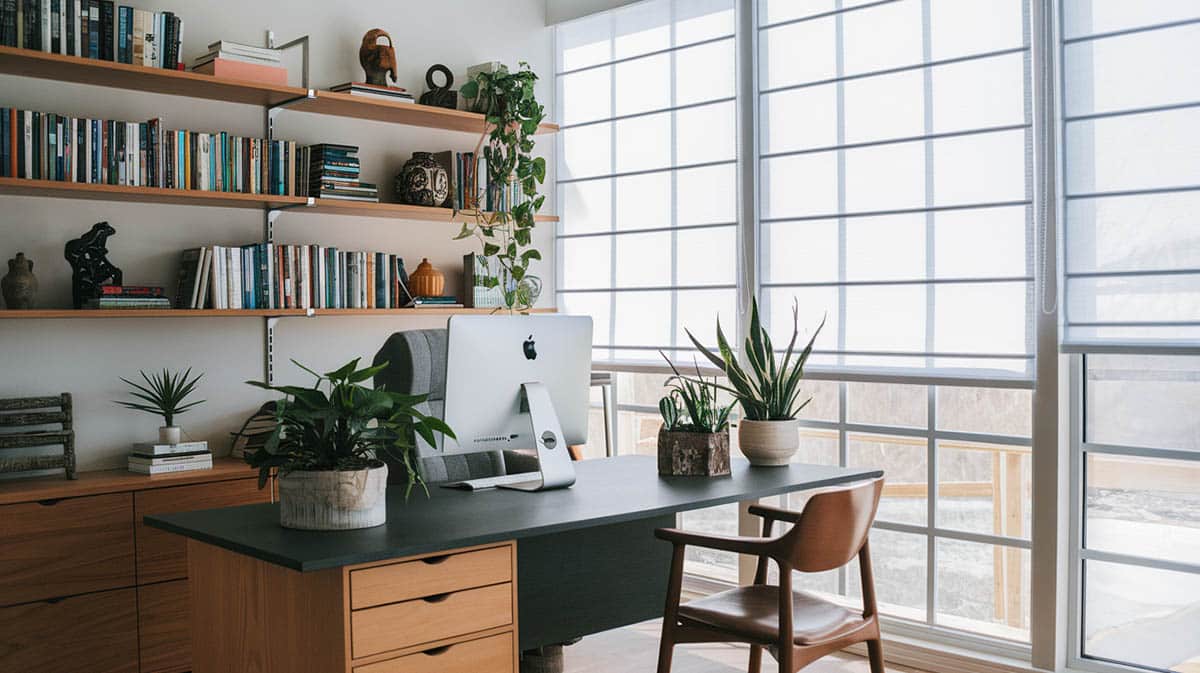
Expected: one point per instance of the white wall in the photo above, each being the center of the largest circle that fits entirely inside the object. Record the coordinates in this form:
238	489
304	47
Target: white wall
86	357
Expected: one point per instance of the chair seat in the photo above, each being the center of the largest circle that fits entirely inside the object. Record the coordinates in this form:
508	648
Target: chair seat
752	612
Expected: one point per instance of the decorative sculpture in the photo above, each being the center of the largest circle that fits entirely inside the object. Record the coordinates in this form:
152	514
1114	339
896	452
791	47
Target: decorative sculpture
20	285
377	59
440	96
423	181
90	267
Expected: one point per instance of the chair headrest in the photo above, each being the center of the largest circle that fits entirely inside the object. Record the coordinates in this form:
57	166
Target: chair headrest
416	363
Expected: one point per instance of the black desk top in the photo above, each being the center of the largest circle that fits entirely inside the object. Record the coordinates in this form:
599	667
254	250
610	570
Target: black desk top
607	491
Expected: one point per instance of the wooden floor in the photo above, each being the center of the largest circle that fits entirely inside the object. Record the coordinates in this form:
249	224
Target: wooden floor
635	650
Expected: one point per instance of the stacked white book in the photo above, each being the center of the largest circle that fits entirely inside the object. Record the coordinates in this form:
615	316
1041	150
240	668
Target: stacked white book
150	458
233	51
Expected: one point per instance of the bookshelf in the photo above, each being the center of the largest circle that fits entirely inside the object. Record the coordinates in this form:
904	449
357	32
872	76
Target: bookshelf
77	314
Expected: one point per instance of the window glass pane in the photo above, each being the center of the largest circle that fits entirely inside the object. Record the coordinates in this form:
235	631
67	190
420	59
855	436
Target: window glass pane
899	561
887	404
706	195
903	460
703	256
798	186
1141	616
643	201
645	259
983	168
984	488
590	261
596	304
798	53
997	411
957	251
716	124
889	247
977	318
819	446
640	28
586	151
698	311
1088	17
881	37
631	327
1143	507
1142	151
584	42
644	143
815	304
798	118
900	94
1135	299
697	20
983	588
966	27
979	94
718	565
586	207
585	95
1133	233
1143	401
885	177
772	11
885	318
1131	71
704	72
798	252
643	84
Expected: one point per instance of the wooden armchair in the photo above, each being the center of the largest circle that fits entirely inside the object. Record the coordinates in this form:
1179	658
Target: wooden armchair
799	628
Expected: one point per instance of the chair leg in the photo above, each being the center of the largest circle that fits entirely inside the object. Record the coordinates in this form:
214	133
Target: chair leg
666	648
755	659
875	654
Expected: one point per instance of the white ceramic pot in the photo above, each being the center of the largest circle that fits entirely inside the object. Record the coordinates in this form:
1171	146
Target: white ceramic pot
170	434
769	442
333	500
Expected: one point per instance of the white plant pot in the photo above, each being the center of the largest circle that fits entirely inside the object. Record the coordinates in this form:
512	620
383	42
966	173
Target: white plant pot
769	442
333	500
170	434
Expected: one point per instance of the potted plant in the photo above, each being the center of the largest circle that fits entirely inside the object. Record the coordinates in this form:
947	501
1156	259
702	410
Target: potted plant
165	395
328	443
694	437
768	391
512	115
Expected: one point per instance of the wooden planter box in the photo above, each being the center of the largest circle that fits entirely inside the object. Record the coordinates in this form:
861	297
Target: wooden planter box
696	454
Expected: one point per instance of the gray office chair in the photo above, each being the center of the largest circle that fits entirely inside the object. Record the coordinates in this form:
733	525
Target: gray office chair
417	366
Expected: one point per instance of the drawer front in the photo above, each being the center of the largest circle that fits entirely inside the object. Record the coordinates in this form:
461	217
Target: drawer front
94	633
491	655
65	547
162	556
429	577
391	627
164	629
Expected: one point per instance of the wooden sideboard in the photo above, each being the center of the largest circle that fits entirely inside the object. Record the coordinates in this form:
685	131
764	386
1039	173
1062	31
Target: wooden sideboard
85	586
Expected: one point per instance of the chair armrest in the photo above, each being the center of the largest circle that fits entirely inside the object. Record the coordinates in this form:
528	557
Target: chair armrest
754	546
774	513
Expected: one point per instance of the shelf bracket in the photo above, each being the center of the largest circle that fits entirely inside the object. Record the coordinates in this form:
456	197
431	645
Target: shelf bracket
269	349
301	42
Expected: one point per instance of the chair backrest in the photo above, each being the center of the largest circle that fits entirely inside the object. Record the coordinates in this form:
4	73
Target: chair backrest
832	528
417	366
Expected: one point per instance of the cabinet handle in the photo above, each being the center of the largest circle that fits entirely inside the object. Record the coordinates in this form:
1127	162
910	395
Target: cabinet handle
49	502
437	598
435	651
434	560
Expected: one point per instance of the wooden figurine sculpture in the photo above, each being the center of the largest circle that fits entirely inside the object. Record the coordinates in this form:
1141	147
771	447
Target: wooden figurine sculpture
90	267
377	59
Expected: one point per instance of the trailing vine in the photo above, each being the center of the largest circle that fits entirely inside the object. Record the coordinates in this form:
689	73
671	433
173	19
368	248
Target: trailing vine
513	114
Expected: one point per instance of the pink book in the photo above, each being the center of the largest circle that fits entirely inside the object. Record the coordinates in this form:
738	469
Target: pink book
249	72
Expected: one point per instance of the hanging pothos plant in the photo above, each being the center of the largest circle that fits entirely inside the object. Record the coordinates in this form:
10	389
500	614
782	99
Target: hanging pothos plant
513	115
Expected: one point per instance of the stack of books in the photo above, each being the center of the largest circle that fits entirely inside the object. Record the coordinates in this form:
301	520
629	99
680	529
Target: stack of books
96	29
129	296
149	458
334	174
390	93
473	186
242	61
447	301
48	146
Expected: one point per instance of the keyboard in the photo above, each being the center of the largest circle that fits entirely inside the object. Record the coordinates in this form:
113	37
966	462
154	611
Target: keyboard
493	482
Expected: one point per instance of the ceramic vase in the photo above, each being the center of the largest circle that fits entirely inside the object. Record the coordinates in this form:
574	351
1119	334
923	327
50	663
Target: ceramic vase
770	443
19	286
426	281
333	499
170	434
423	181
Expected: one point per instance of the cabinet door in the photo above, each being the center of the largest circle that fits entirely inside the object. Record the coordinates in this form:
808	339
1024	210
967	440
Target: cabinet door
165	641
162	556
93	633
65	547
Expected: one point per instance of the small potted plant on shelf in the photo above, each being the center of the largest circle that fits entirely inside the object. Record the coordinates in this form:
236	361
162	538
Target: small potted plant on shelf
694	437
328	447
768	390
512	115
164	394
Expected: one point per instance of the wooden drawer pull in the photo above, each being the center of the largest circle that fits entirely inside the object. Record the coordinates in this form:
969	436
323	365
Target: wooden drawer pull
49	502
435	651
434	560
437	598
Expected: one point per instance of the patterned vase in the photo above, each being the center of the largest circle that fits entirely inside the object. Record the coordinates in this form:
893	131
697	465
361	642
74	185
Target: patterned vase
20	286
423	181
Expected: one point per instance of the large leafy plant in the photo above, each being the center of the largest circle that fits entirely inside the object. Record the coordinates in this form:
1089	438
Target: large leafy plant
513	114
163	394
340	424
769	389
691	405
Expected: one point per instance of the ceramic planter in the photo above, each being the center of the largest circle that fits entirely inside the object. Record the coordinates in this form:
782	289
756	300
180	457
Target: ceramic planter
769	442
332	499
170	434
700	454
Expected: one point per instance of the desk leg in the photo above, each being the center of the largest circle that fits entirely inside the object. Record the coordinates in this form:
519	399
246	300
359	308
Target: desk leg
586	581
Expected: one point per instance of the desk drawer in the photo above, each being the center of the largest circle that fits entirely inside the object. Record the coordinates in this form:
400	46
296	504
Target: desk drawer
429	576
493	655
391	627
93	633
65	547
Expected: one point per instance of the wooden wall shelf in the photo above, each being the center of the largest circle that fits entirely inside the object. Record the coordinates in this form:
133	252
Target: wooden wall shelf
29	63
196	197
74	314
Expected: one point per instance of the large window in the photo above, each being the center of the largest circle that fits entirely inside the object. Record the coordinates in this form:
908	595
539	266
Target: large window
647	173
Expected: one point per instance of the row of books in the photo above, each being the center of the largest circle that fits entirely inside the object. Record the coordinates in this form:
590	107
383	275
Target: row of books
49	146
334	174
275	276
96	29
150	458
472	187
112	297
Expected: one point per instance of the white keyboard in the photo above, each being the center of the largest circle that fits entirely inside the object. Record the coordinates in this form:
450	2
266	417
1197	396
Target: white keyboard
493	482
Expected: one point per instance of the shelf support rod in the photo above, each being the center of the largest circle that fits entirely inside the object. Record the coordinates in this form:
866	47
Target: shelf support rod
269	349
301	42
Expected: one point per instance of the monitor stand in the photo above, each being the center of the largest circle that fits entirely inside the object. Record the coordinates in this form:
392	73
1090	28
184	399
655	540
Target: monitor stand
554	461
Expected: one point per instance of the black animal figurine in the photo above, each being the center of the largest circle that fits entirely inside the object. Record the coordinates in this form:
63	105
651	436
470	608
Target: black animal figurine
439	96
90	267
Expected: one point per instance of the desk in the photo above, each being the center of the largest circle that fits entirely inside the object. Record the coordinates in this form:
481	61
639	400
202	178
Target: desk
585	558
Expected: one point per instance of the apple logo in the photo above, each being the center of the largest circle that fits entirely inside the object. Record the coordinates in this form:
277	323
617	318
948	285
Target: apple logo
529	348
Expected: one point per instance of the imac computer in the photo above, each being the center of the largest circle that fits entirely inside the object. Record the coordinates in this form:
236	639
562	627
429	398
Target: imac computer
519	382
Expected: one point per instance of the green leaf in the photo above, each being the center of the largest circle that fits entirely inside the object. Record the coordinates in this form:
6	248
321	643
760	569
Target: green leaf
470	89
